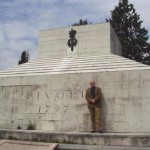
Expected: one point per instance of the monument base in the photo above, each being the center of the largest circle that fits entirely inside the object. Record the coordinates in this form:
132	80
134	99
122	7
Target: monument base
53	96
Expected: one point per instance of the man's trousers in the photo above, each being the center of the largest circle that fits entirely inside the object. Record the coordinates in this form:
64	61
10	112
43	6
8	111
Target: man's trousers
95	114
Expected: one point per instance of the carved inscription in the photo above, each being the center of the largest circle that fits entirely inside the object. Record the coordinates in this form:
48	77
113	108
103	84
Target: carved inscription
62	54
53	109
37	101
28	93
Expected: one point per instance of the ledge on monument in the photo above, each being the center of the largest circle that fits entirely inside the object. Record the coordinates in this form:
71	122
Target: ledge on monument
104	139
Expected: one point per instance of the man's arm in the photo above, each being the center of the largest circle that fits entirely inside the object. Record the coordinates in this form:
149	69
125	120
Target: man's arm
87	96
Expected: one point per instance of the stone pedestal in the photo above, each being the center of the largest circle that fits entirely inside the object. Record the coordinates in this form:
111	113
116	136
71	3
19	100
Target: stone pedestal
48	93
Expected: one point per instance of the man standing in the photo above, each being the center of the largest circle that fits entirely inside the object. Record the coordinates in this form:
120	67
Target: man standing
93	97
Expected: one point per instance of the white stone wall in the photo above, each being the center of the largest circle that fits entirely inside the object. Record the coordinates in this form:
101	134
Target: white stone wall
92	39
56	102
116	47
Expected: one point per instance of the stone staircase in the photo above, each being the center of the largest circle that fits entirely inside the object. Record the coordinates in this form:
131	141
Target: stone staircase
98	63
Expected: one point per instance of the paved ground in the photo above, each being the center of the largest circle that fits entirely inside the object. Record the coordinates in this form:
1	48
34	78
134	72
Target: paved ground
26	145
105	139
8	146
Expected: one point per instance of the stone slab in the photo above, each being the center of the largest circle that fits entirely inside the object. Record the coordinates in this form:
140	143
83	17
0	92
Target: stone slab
95	147
26	145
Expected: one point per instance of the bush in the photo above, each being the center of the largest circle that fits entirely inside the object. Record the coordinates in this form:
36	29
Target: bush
31	126
18	127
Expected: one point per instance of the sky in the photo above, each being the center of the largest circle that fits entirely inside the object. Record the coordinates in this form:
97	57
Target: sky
21	21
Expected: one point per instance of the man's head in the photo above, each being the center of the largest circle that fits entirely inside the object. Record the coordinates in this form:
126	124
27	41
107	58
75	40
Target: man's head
92	83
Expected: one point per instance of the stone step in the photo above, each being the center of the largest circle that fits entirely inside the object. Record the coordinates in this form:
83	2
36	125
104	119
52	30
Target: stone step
74	69
79	71
97	147
74	65
43	60
71	62
56	60
104	139
71	72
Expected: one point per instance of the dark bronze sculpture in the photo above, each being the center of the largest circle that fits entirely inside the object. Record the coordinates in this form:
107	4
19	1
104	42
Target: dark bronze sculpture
72	42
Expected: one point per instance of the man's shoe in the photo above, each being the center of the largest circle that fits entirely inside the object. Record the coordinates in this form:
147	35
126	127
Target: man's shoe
100	131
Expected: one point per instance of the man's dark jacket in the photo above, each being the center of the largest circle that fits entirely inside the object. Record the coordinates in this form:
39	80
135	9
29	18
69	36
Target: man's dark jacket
98	95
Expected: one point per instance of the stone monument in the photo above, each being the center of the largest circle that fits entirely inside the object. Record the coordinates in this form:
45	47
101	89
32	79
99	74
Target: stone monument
49	92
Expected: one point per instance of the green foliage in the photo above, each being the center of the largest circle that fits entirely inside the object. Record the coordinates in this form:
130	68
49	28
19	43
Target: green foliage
12	137
31	126
133	37
24	57
82	22
18	127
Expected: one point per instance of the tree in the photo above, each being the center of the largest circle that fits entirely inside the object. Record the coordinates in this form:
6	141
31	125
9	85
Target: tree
24	57
133	37
82	22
